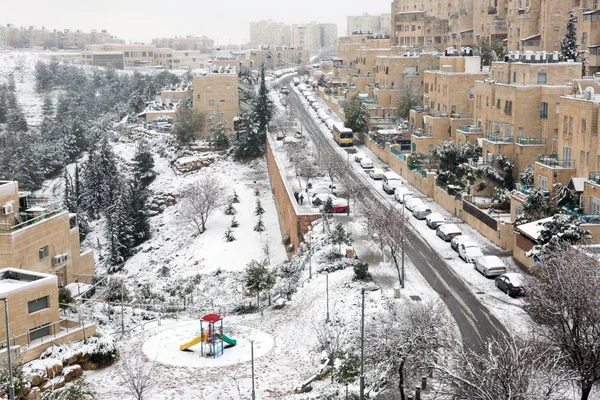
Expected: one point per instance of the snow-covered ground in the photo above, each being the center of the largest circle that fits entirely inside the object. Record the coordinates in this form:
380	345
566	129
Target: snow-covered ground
22	65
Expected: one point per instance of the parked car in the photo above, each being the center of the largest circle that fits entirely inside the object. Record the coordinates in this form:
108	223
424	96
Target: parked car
298	134
366	163
434	220
320	190
511	283
490	266
319	198
326	184
411	203
338	206
447	231
402	193
358	157
421	211
329	123
285	90
457	240
469	251
390	181
376	174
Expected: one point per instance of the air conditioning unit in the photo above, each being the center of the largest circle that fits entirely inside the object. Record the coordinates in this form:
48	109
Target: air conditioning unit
60	259
7	209
444	115
527	9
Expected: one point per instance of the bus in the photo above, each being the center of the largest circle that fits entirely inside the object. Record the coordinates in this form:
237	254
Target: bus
342	135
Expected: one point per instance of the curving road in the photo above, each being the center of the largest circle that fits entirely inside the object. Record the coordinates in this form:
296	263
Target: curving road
474	320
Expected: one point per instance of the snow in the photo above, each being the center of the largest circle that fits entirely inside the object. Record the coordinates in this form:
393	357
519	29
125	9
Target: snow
533	229
22	64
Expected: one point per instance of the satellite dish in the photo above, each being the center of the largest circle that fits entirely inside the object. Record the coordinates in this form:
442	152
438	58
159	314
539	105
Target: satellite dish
494	55
588	93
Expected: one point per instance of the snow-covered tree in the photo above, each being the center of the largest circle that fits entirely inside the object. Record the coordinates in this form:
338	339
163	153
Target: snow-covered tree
338	236
331	338
143	164
565	196
119	231
228	236
259	278
264	109
138	376
230	210
356	115
526	176
410	95
258	210
218	132
200	200
137	197
250	143
561	228
307	169
188	124
568	44
234	222
564	300
260	226
537	206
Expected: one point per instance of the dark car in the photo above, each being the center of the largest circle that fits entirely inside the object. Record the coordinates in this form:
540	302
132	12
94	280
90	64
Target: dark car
511	284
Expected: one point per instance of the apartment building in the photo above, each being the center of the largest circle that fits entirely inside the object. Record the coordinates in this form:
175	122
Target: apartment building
39	236
103	58
377	24
133	54
203	44
270	33
283	57
348	47
217	93
180	59
447	101
518	108
314	35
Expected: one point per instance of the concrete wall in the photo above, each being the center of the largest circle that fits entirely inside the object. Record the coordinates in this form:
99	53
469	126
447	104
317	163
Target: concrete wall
293	222
74	335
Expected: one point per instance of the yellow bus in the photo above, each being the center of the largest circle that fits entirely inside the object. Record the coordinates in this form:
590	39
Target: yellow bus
342	135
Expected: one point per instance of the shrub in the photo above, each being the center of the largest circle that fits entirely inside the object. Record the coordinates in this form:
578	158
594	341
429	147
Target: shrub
361	271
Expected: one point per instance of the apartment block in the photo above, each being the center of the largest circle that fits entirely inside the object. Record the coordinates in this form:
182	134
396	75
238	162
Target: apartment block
216	93
314	36
133	54
378	24
348	47
38	235
180	59
283	57
200	43
103	58
270	33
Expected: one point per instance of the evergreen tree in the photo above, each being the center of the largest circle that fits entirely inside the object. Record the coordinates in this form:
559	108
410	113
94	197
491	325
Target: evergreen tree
143	165
43	77
258	278
11	83
188	124
568	45
69	199
218	133
138	216
230	210
229	235
3	107
259	210
236	198
15	119
264	109
339	236
234	223
101	179
260	226
250	143
356	115
120	234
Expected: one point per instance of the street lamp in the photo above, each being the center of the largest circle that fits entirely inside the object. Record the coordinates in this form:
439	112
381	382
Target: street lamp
252	355
11	386
403	235
327	291
362	347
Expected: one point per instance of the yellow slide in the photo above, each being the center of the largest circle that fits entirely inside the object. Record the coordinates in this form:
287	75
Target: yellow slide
187	345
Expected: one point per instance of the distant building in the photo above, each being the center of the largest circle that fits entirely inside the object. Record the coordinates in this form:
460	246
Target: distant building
180	59
216	93
282	57
133	54
378	24
314	36
103	58
269	33
203	44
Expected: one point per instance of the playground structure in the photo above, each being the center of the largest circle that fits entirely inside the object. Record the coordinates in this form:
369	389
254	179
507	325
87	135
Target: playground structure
211	338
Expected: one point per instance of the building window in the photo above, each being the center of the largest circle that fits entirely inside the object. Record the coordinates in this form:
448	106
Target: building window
39	332
498	104
544	111
208	87
37	305
143	54
211	102
514	77
541	78
598	162
594	206
126	54
581	157
198	97
542	182
43	252
584	38
150	53
566	125
227	87
558	108
222	101
583	126
508	107
570	125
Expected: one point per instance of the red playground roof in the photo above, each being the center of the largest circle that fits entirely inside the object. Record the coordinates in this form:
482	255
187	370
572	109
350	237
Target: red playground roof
211	318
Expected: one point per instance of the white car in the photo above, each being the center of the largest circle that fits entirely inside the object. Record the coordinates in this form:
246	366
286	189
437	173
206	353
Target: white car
390	181
421	211
490	266
376	174
448	231
402	193
434	220
319	198
366	163
457	240
358	157
469	251
411	203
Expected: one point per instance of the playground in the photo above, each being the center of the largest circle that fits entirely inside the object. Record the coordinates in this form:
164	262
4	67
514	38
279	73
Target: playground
179	343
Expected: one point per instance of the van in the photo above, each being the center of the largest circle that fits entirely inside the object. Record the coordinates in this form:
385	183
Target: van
411	203
366	163
421	211
390	181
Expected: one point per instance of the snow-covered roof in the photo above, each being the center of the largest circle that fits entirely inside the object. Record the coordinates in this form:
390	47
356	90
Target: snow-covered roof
533	229
576	184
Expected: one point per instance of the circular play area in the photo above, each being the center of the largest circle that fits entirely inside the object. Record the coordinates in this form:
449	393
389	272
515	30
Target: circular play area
208	342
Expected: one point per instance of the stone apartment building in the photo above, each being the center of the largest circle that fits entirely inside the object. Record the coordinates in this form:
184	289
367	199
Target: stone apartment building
40	236
349	47
200	43
133	54
216	93
283	57
377	24
270	33
314	36
180	59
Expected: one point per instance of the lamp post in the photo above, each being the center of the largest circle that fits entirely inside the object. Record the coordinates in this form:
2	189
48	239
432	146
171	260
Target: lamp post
362	347
252	355
327	291
11	386
403	234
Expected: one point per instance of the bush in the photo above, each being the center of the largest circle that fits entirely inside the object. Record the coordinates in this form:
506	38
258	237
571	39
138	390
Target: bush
102	351
361	271
64	297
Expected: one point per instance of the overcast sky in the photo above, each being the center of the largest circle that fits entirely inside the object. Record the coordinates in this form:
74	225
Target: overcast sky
227	21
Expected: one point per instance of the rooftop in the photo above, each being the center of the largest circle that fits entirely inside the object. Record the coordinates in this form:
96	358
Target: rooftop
533	229
12	280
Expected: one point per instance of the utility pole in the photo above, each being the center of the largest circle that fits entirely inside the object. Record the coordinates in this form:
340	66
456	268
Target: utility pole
11	386
252	355
122	314
403	235
362	347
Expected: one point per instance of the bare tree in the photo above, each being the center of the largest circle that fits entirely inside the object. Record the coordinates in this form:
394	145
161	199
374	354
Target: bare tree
137	376
332	166
188	124
388	227
564	299
510	368
296	153
201	199
351	189
331	338
411	95
403	341
308	169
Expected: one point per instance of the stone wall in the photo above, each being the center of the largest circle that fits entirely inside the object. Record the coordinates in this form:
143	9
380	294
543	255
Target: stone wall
293	222
74	335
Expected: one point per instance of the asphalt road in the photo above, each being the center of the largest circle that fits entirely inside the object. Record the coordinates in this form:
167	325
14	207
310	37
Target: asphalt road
474	320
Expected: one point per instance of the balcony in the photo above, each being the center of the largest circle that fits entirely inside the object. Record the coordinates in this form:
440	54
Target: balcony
470	129
552	161
6	229
524	189
595	177
499	138
492	10
528	141
421	133
588	219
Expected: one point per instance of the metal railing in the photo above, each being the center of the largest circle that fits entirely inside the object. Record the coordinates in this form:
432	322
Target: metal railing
54	329
421	133
594	177
525	189
499	138
398	154
470	129
528	141
7	229
552	161
588	219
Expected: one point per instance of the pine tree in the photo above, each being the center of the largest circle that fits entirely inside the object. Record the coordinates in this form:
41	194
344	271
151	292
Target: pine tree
120	235
230	210
229	235
143	165
264	109
236	198
258	278
259	210
250	143
568	45
234	223
356	115
3	107
138	216
218	133
69	201
339	236
260	226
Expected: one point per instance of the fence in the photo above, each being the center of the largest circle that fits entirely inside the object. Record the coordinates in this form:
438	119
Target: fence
398	154
480	215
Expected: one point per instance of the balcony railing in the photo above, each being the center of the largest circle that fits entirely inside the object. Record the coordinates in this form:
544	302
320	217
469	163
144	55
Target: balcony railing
499	138
552	161
525	189
595	177
7	229
588	219
528	141
398	154
470	129
421	133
